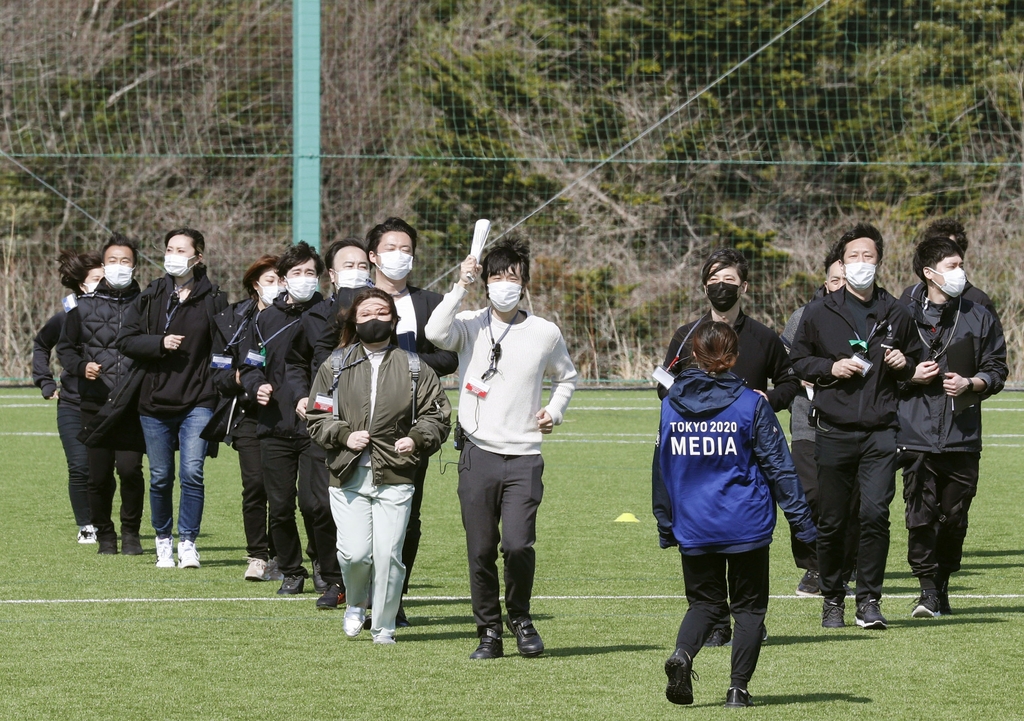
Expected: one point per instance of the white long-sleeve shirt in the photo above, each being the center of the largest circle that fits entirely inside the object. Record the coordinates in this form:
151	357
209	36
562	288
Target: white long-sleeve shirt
505	421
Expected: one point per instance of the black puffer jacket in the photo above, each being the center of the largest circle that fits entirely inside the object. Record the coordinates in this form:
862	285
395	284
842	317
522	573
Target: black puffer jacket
90	336
927	422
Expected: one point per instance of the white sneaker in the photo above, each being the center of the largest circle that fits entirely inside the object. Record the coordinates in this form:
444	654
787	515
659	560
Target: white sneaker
188	556
354	617
165	553
384	639
257	570
87	534
274	571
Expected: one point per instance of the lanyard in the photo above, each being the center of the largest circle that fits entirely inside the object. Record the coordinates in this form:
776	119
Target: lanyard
931	346
174	302
246	319
679	351
263	343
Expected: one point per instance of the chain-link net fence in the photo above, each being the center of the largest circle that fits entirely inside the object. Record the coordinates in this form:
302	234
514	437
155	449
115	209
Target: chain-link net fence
649	132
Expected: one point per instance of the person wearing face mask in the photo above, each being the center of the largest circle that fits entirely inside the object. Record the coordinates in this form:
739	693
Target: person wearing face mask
802	445
392	248
169	332
940	417
349	269
80	273
261	286
378	411
280	390
504	355
88	349
762	354
856	346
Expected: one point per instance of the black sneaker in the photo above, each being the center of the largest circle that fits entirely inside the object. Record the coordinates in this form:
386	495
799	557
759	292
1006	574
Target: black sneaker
927	605
679	669
131	544
737	698
944	608
108	545
401	620
832	614
869	615
490	646
527	639
330	598
808	585
719	637
319	584
291	586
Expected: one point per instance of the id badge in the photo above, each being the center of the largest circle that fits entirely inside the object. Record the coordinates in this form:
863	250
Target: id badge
865	364
664	378
70	302
255	359
221	362
477	387
323	403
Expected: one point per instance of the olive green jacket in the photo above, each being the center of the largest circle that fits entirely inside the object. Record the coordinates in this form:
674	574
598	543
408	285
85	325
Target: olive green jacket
392	415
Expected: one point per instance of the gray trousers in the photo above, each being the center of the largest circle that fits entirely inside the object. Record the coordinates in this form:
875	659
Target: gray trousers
506	490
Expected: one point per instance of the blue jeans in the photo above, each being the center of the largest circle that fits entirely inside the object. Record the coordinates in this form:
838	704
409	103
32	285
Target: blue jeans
162	435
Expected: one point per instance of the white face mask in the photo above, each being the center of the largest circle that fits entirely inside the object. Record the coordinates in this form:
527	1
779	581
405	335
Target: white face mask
953	281
91	287
176	265
504	295
118	276
268	293
301	289
352	278
395	264
860	276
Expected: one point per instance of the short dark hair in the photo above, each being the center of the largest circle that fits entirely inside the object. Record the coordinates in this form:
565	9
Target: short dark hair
333	248
391	225
298	254
348	325
861	230
933	250
834	255
511	253
724	258
73	267
951	228
118	239
715	346
252	274
198	241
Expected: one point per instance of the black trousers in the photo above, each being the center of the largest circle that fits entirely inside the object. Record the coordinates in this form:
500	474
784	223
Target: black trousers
414	531
320	528
847	460
507	490
282	459
806	554
102	486
938	489
255	520
722	583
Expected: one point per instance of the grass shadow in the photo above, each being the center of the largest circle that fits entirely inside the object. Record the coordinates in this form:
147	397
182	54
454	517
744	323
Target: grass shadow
596	650
968	610
823	637
789	699
993	554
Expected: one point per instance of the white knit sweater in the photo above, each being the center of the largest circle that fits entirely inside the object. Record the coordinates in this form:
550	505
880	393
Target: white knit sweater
506	420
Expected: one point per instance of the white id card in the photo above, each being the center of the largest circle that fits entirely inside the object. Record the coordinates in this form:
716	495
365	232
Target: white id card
220	362
255	359
323	403
865	364
477	387
664	378
70	302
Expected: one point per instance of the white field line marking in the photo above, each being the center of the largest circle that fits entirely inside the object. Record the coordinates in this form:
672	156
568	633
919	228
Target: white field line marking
30	433
245	599
27	405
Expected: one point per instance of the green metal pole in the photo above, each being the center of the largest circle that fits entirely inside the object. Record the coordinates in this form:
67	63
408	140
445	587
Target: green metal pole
306	121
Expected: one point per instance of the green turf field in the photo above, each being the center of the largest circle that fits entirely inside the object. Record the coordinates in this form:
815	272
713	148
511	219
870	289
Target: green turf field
97	637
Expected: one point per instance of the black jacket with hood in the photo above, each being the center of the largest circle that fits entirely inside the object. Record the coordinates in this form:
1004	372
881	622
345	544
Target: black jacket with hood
927	420
824	337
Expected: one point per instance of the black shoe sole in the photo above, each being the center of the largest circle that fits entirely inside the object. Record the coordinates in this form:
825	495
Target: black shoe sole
680	686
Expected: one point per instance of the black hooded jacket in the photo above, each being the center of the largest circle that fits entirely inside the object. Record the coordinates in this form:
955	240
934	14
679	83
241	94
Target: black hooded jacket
42	375
824	336
90	336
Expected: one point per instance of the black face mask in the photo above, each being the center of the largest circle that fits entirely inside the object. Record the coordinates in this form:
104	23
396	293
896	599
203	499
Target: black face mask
723	296
374	331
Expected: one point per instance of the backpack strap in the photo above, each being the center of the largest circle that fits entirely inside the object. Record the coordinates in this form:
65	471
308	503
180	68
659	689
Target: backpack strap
414	371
